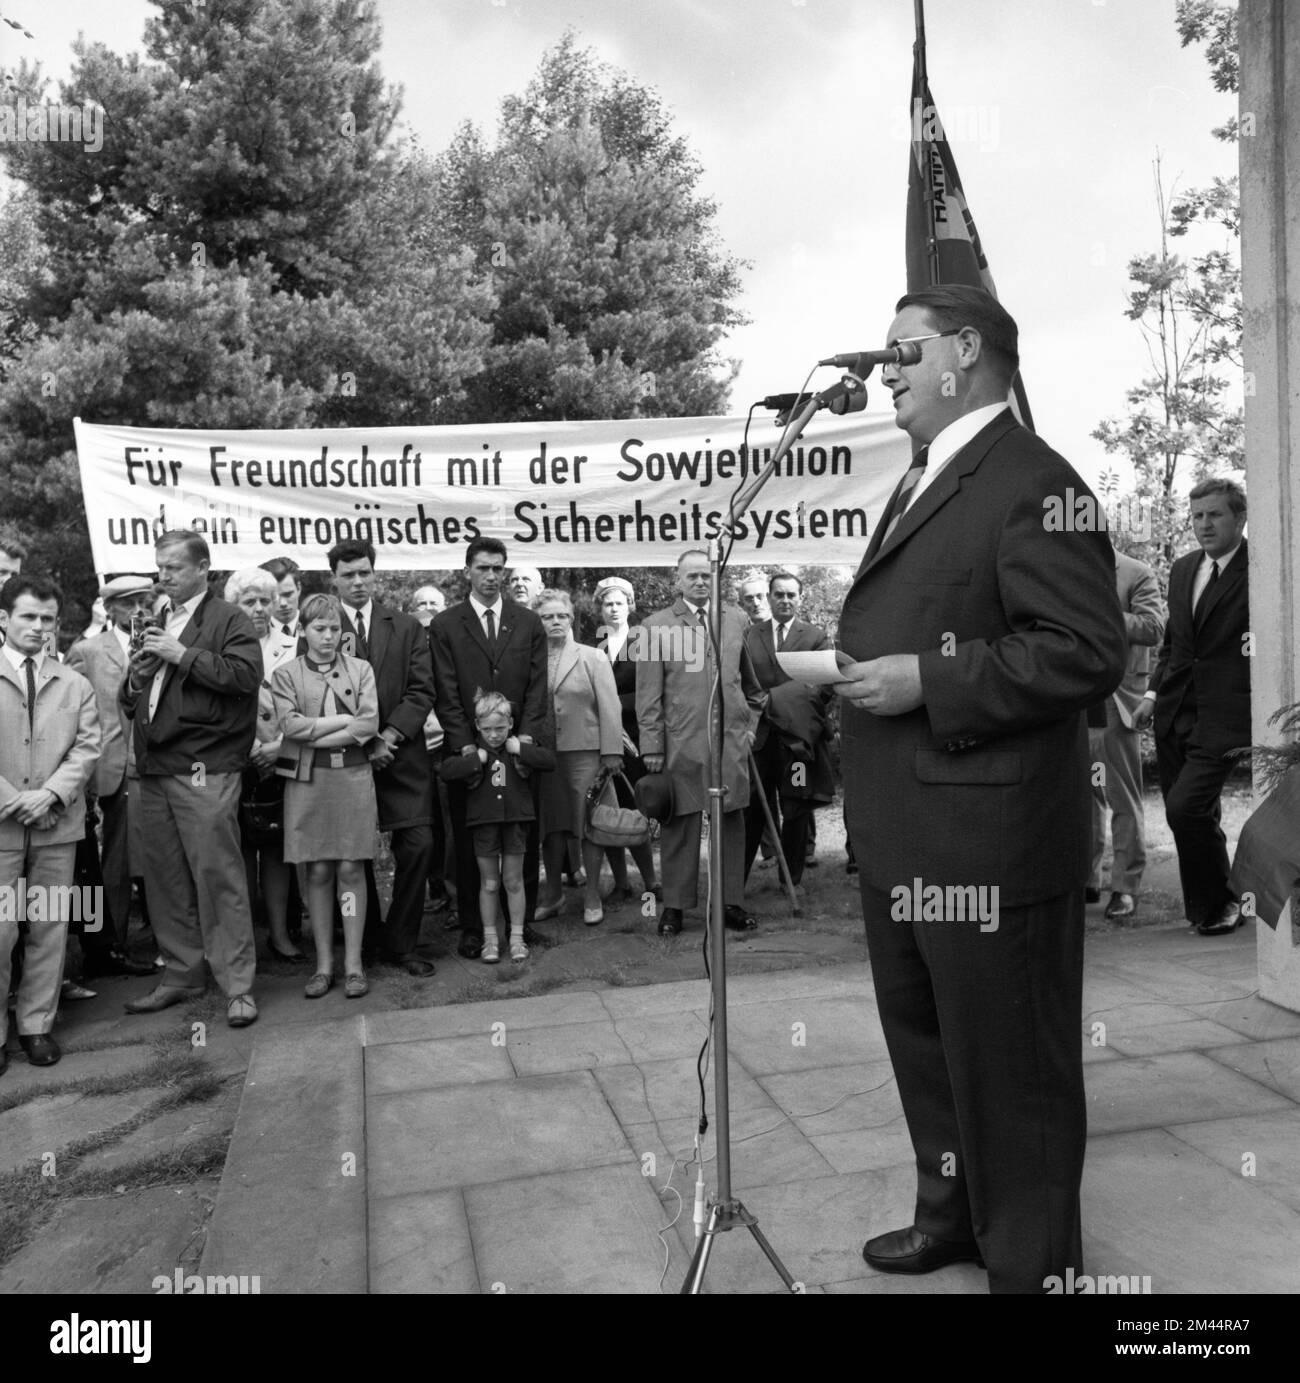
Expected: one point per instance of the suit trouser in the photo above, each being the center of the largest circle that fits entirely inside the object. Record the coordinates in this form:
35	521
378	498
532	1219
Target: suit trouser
679	858
1120	750
110	867
983	1029
793	815
1191	780
194	880
42	867
399	933
467	879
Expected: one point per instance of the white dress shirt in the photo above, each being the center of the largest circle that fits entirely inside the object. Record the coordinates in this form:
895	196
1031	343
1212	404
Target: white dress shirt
178	618
950	441
481	611
1202	578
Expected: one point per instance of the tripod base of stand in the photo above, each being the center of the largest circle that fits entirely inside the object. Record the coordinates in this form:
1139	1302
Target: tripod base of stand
724	1216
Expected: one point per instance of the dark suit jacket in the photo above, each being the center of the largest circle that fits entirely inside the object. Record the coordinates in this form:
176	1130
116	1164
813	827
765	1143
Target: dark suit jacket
398	653
489	802
796	713
1202	669
463	664
208	710
1018	629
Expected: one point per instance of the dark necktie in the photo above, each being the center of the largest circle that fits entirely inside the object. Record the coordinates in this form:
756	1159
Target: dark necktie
1209	586
492	629
288	631
363	648
907	489
30	665
780	637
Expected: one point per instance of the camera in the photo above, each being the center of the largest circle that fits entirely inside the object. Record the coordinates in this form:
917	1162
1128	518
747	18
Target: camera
140	622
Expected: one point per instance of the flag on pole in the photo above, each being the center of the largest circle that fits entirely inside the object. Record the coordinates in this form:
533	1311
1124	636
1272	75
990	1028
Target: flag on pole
943	245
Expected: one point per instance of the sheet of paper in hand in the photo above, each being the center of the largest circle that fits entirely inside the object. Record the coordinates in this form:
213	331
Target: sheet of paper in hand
820	668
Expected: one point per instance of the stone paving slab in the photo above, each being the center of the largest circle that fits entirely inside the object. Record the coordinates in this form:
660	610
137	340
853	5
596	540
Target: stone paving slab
802	1033
668	1089
1262	1149
1178	1088
1254	1018
586	1230
1275	1064
765	1148
1155	1207
401	1066
566	1047
293	1196
1194	1034
47	1125
460	1020
433	1140
663	1036
421	1244
833	1099
122	1243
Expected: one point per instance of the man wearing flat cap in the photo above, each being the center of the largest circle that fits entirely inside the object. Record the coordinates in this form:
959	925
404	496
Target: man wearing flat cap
102	661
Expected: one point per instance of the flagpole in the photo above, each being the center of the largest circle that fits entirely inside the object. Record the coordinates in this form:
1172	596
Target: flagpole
919	123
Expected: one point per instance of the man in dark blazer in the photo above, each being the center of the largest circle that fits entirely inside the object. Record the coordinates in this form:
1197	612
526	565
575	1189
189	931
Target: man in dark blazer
191	693
794	765
102	661
1115	745
982	626
486	643
394	645
1199	696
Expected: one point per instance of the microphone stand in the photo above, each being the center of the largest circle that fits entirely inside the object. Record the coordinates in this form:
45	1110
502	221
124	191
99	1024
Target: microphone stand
726	1211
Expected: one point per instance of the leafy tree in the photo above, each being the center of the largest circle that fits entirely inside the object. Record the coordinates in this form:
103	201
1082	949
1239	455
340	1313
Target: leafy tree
613	291
1182	421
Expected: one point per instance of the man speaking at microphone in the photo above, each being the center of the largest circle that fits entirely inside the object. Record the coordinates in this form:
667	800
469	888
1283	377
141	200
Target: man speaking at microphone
980	631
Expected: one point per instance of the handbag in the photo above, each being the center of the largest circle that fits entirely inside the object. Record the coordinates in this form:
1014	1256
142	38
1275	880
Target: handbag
261	809
609	825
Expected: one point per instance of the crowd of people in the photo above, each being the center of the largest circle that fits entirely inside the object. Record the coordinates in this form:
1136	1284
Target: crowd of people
241	753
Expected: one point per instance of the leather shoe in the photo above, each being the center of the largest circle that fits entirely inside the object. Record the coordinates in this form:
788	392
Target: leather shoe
471	947
1120	905
1228	920
241	1011
97	963
670	921
910	1251
163	997
410	962
70	991
41	1048
735	917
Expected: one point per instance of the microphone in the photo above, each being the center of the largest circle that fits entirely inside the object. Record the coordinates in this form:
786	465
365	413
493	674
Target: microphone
783	403
848	396
863	362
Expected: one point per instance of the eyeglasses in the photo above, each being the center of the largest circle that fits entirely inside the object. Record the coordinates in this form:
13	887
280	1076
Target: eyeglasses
933	336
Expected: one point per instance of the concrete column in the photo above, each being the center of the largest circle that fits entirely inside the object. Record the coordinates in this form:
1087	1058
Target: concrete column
1270	254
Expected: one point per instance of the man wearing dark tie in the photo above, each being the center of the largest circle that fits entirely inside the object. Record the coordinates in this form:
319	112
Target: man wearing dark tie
794	765
394	645
981	631
288	594
1199	698
486	644
191	694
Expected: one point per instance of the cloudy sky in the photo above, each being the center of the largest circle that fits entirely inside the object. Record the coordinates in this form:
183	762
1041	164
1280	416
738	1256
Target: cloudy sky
797	110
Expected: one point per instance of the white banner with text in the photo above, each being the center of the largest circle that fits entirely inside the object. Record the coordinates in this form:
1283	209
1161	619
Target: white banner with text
628	493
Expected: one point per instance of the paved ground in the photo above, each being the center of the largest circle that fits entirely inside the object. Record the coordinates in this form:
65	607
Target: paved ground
498	1130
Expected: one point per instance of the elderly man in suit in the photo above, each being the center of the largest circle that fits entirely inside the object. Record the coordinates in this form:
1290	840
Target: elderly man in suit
980	631
1199	698
1116	747
486	643
102	660
794	765
674	683
395	646
49	737
191	693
